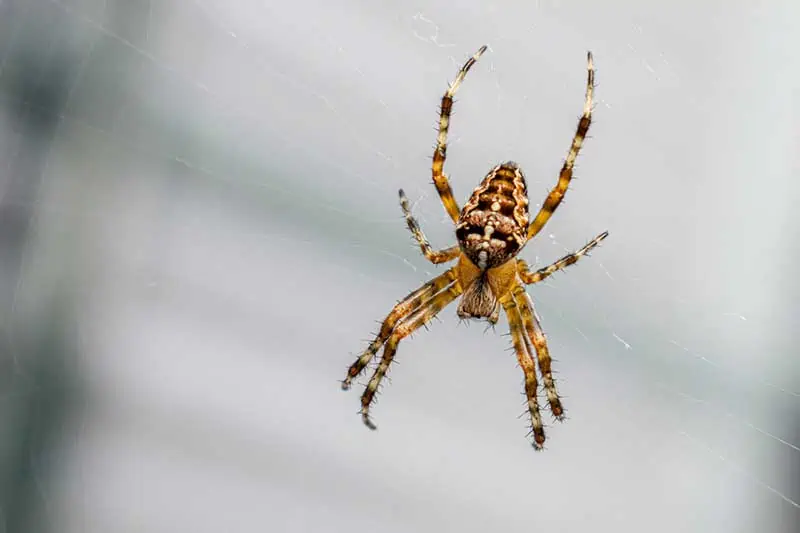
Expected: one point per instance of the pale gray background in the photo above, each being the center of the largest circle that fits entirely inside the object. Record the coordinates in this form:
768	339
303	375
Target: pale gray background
200	228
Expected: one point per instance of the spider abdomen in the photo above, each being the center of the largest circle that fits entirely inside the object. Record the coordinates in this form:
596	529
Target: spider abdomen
493	225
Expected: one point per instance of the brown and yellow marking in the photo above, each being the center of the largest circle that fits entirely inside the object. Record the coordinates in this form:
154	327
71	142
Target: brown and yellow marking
525	358
440	153
409	304
405	328
534	329
483	288
557	194
491	228
529	277
435	257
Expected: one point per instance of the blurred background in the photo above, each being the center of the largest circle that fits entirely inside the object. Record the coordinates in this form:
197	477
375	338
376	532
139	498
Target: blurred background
199	230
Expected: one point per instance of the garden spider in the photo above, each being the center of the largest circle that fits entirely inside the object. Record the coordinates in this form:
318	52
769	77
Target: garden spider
491	230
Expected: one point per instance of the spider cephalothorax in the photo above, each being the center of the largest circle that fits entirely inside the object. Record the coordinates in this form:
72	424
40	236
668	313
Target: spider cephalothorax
491	230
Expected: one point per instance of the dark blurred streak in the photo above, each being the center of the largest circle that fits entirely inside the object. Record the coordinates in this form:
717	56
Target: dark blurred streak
36	388
787	344
42	402
793	473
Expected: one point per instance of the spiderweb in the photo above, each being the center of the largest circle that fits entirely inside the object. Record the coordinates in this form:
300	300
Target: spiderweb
203	195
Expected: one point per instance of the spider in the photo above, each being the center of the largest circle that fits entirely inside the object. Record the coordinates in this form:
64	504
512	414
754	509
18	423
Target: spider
491	230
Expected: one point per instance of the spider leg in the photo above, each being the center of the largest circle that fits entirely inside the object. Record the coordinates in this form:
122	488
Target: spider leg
406	327
557	194
525	358
435	257
440	153
534	329
405	307
529	277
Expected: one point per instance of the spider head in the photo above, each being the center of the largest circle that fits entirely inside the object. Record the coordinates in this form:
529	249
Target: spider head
493	225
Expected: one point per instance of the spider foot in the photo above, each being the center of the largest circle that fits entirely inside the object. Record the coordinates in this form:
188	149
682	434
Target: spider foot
536	433
347	382
538	441
367	421
557	410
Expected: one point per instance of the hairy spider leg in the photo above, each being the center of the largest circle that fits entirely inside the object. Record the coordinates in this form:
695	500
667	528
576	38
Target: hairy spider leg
405	307
525	358
557	194
434	256
529	277
440	153
405	328
535	332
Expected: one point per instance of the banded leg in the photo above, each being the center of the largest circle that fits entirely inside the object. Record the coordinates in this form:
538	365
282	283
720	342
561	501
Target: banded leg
529	277
440	153
403	330
525	358
536	334
405	307
557	194
435	257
